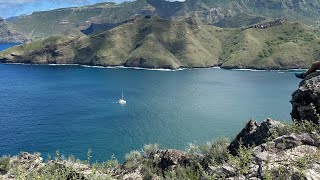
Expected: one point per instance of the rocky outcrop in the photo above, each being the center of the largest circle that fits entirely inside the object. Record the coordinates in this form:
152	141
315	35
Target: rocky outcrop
293	156
170	159
253	134
25	161
269	24
163	161
9	35
289	155
306	100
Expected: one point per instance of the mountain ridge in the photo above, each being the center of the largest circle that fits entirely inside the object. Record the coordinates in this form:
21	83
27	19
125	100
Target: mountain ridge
153	42
230	13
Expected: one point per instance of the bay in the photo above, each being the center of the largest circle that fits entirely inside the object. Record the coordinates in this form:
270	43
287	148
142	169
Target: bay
72	108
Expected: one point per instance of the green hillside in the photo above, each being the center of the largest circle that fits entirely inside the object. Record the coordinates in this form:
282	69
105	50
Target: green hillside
153	42
292	45
69	21
227	13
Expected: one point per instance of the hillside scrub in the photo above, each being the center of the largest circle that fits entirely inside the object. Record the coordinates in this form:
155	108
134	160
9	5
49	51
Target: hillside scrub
153	42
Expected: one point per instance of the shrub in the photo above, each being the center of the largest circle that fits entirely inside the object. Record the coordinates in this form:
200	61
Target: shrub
133	160
243	161
150	149
4	164
296	127
183	173
109	165
217	150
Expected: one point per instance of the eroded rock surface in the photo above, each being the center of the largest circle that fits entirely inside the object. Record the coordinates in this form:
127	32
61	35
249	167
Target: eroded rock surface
253	134
306	100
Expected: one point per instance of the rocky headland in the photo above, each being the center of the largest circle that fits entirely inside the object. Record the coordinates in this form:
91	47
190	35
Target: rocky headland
269	150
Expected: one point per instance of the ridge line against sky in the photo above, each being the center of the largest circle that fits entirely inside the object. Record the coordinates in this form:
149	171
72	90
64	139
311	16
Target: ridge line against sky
10	8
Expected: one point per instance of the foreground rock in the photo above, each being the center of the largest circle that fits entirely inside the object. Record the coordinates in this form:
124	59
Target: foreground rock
253	134
306	100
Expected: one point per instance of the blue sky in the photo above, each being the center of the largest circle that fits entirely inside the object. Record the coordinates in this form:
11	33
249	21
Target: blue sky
10	8
17	7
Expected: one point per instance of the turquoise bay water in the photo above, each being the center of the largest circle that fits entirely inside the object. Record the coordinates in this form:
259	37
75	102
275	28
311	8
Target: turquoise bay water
73	108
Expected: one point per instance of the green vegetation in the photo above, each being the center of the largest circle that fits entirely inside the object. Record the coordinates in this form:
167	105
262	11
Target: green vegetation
4	164
229	13
295	127
153	42
243	161
69	21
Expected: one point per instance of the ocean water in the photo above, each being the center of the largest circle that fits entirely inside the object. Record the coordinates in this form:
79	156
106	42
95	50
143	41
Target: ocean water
6	46
72	108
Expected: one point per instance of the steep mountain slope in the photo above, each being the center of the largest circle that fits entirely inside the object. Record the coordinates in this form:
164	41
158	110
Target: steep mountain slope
291	45
9	34
153	42
69	21
145	42
228	13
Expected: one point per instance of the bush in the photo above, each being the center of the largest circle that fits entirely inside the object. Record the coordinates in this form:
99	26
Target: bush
150	149
217	150
183	173
4	164
243	161
296	127
133	160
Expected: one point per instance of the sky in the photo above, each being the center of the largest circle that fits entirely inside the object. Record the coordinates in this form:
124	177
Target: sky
9	8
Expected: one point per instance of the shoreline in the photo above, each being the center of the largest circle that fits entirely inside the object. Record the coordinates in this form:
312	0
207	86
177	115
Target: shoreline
160	69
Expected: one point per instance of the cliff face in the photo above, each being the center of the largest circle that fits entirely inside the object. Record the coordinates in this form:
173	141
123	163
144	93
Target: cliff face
306	100
9	35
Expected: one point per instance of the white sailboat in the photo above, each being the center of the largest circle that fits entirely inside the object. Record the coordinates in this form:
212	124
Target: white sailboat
121	100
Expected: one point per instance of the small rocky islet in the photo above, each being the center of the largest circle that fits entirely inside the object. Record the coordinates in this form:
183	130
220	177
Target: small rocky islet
270	150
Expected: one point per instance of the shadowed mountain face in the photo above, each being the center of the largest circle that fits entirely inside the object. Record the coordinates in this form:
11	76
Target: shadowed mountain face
153	42
223	13
99	28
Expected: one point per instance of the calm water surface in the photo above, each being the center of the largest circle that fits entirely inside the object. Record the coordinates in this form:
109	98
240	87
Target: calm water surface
72	108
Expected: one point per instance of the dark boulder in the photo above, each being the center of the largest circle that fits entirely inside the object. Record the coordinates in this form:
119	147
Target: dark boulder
168	160
253	134
306	100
